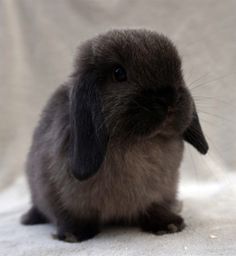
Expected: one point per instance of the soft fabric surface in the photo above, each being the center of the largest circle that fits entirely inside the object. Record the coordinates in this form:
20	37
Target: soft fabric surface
38	41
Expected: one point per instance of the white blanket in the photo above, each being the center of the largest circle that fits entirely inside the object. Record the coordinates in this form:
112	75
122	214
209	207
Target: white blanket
38	40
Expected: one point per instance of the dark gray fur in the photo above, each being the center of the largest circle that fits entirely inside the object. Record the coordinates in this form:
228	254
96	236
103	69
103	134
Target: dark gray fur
121	161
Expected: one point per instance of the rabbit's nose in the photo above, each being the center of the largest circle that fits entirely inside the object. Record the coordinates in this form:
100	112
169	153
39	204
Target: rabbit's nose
167	96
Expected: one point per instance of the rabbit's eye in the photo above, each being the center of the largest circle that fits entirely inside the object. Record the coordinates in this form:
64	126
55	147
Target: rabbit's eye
119	74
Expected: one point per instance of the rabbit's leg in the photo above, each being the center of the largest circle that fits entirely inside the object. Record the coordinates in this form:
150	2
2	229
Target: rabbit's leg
33	217
77	230
160	220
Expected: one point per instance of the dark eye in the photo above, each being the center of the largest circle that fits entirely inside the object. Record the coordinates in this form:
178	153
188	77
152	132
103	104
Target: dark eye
119	74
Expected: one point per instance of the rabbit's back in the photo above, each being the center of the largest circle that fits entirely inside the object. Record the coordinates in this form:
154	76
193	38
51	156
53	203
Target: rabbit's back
49	146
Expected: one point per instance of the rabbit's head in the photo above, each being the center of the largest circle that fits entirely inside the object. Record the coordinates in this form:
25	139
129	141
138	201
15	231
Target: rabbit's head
127	86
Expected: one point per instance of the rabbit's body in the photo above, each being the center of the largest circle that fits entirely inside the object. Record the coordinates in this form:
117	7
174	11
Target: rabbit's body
110	141
130	180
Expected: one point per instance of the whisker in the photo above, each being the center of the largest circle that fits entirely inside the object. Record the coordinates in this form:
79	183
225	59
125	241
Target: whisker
213	145
198	79
146	109
215	115
211	82
208	122
199	97
193	164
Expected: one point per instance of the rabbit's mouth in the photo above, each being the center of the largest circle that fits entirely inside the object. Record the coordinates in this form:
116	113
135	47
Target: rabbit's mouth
165	121
143	123
150	113
167	127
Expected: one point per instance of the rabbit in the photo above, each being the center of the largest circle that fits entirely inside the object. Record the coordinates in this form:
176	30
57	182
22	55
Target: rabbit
110	140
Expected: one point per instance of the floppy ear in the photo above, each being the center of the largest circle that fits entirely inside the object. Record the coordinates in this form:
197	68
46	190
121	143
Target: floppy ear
194	134
88	136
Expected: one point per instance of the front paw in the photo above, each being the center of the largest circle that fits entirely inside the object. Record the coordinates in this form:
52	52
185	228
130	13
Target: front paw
73	232
172	226
74	237
160	220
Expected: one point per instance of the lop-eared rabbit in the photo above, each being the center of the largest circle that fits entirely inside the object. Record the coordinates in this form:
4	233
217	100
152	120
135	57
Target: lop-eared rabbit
110	140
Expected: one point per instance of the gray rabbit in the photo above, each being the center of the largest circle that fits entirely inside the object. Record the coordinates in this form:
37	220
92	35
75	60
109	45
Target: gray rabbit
110	141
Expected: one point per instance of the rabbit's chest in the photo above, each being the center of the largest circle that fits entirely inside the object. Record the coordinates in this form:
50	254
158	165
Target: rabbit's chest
124	197
129	184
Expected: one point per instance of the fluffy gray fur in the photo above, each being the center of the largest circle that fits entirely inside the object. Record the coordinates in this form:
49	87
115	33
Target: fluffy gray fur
138	169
